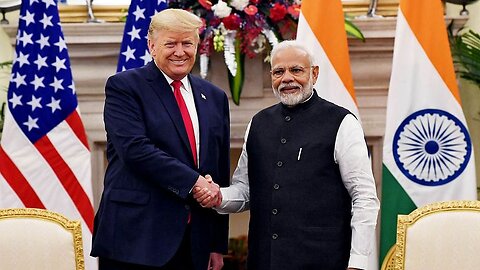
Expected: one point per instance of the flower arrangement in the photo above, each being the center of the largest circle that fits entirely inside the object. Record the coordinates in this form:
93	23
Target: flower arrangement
252	22
240	28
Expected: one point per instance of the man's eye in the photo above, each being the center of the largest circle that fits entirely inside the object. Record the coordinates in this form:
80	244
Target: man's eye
296	71
278	72
170	45
188	44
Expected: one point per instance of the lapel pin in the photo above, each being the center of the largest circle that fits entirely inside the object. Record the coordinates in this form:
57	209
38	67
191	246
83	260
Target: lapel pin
203	96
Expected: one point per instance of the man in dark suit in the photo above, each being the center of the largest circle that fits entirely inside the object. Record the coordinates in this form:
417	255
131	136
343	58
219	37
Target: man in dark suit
166	131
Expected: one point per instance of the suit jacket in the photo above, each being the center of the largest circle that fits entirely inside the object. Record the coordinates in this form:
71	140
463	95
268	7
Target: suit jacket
145	204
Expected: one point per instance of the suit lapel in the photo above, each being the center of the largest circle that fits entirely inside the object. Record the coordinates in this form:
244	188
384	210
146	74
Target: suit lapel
164	92
201	103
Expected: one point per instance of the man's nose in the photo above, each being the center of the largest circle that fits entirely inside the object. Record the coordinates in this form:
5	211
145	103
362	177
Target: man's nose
287	76
179	51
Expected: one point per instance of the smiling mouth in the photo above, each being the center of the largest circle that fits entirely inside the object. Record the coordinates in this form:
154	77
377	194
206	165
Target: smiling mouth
178	62
289	89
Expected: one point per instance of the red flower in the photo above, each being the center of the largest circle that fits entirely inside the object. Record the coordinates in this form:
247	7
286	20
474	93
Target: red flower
255	2
251	10
206	46
204	26
232	22
205	4
248	45
214	22
287	29
278	12
294	10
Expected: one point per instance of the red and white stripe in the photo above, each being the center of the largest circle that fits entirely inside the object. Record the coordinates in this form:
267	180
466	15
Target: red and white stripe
54	173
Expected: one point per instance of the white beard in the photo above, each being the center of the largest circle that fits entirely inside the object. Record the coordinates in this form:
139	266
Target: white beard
305	91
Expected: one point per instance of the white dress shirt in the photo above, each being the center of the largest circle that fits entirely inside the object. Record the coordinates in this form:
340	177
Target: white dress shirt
187	94
351	155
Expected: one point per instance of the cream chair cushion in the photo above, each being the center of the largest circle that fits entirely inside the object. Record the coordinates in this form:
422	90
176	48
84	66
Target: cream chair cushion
39	239
440	236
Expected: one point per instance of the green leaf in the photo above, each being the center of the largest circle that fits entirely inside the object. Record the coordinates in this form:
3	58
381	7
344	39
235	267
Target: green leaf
2	106
466	54
236	82
353	30
5	64
2	117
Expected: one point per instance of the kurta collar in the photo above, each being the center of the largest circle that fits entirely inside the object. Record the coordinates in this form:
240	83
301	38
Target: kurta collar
302	106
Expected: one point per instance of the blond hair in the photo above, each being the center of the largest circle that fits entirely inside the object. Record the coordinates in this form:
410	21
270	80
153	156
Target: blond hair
177	20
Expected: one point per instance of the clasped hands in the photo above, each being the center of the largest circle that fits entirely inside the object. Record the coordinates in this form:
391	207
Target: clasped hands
206	192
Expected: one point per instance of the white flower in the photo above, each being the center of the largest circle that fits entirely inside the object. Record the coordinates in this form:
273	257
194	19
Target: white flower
221	9
239	4
259	43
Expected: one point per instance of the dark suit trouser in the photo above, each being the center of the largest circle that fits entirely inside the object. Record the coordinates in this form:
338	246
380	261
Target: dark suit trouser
182	260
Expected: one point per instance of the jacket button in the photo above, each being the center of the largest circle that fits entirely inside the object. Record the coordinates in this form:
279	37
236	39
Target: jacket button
274	236
187	207
274	211
283	141
288	118
276	186
279	164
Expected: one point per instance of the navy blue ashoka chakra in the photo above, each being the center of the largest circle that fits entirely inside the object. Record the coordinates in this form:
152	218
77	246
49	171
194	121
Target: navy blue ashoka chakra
431	147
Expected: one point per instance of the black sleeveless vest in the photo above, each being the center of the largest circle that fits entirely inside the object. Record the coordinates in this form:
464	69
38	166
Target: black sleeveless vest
300	210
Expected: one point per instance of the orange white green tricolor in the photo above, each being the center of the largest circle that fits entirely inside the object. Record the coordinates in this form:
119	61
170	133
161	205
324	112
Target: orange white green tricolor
427	151
321	29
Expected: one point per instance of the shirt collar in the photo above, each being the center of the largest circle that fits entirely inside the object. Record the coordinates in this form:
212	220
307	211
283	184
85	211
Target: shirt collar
184	80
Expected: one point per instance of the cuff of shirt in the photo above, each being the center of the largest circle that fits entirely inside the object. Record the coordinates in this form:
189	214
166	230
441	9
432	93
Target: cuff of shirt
229	205
221	208
358	261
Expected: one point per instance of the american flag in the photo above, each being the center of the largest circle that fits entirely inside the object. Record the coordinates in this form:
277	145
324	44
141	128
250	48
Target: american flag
44	153
134	51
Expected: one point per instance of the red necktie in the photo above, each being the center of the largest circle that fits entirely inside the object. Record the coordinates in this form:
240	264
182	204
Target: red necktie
187	121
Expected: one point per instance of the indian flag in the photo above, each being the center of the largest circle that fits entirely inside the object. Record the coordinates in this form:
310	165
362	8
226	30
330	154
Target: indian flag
321	28
427	151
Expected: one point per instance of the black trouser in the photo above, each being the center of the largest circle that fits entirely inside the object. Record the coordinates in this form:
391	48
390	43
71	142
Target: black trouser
182	260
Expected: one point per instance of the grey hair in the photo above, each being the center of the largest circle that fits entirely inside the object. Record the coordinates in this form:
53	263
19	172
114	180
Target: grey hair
291	44
177	20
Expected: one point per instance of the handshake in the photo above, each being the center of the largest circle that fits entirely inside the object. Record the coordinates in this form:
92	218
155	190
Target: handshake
206	192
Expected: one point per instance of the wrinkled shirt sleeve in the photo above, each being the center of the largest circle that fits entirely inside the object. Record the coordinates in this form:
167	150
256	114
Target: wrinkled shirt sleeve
351	154
236	197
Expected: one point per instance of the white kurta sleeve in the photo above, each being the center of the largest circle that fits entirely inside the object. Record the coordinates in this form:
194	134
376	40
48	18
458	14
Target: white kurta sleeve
351	154
236	197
